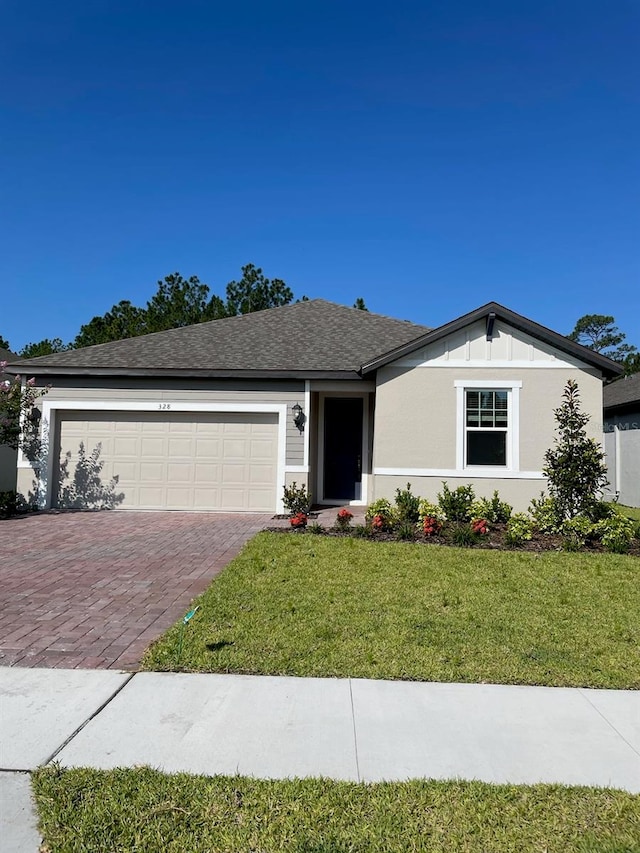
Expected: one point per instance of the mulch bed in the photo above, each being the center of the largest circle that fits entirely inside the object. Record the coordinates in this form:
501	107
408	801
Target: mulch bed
492	541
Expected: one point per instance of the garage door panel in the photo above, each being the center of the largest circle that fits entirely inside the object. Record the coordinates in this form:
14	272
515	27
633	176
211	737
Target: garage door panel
204	461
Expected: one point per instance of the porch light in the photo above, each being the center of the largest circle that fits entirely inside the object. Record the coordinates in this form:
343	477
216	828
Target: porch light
298	416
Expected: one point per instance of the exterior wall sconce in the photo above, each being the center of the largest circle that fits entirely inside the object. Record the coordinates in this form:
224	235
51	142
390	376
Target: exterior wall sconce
299	416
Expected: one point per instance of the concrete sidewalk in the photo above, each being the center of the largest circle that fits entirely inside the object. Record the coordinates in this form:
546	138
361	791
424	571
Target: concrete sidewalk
356	729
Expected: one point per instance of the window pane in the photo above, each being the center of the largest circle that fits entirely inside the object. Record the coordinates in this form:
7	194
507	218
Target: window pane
473	419
501	400
486	399
487	448
487	419
473	401
501	419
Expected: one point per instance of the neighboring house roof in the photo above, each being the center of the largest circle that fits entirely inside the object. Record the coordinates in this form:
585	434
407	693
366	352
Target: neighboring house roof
7	355
492	311
314	338
625	392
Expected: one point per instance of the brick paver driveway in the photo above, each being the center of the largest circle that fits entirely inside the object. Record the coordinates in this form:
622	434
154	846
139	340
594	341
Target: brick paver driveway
94	589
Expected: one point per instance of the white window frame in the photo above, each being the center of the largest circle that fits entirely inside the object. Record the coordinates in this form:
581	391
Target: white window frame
512	387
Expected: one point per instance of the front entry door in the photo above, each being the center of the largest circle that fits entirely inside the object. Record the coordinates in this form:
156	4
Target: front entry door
342	448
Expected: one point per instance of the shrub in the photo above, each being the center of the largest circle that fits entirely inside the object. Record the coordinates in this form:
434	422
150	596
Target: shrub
315	528
296	499
576	532
616	533
519	530
427	509
431	525
299	520
406	531
480	526
343	519
545	514
407	506
601	510
493	509
8	504
377	523
456	504
380	509
575	466
361	531
462	535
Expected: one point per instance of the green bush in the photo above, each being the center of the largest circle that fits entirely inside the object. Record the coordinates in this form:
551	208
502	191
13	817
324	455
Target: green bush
462	534
427	509
616	533
519	530
576	532
493	509
8	504
296	499
315	528
600	510
381	508
456	504
545	514
406	531
407	506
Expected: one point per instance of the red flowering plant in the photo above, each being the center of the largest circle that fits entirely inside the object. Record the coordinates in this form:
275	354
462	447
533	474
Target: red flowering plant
431	525
480	526
343	519
378	522
298	521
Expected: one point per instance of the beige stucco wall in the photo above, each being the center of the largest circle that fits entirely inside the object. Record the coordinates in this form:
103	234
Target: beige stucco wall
416	425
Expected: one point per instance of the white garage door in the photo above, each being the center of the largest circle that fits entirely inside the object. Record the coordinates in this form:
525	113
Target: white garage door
187	461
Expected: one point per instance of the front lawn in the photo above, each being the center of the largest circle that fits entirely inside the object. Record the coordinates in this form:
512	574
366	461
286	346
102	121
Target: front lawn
144	810
630	511
310	605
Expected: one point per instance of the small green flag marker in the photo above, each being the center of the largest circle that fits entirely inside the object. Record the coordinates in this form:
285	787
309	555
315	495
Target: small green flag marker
185	621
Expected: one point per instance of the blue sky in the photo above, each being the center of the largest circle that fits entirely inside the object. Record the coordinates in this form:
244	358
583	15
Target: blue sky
429	156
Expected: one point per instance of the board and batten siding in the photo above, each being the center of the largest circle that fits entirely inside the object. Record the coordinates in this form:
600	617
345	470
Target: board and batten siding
418	428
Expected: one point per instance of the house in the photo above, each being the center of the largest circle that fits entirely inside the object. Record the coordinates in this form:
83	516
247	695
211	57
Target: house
8	456
622	438
221	415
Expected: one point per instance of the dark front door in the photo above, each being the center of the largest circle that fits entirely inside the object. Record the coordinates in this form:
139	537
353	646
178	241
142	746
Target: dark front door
342	447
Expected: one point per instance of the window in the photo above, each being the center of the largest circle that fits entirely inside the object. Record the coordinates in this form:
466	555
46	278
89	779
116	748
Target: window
486	426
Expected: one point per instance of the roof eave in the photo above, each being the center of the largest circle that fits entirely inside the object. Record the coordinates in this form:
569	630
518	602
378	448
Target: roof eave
53	370
606	365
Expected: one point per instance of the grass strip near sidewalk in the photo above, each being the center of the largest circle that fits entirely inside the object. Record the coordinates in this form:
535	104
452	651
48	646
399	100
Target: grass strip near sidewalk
145	810
309	605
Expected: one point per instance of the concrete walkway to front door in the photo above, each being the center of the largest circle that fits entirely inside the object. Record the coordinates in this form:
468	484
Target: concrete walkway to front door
93	589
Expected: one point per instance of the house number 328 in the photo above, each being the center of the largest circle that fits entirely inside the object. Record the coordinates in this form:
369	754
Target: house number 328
164	406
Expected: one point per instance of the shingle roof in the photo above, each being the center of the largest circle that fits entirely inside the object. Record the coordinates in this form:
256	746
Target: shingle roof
624	392
315	337
7	355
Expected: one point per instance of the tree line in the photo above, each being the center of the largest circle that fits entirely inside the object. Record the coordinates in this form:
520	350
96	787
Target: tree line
177	302
181	302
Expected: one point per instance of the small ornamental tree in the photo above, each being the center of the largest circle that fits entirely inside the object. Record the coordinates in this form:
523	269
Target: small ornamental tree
18	428
575	466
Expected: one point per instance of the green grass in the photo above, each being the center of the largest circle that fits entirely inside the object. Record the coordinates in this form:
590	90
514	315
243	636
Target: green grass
630	511
318	606
142	811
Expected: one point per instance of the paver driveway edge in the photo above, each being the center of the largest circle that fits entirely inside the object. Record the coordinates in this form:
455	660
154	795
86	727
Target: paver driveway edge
93	590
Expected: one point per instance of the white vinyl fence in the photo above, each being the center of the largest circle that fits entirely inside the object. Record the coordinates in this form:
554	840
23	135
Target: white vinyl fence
622	446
